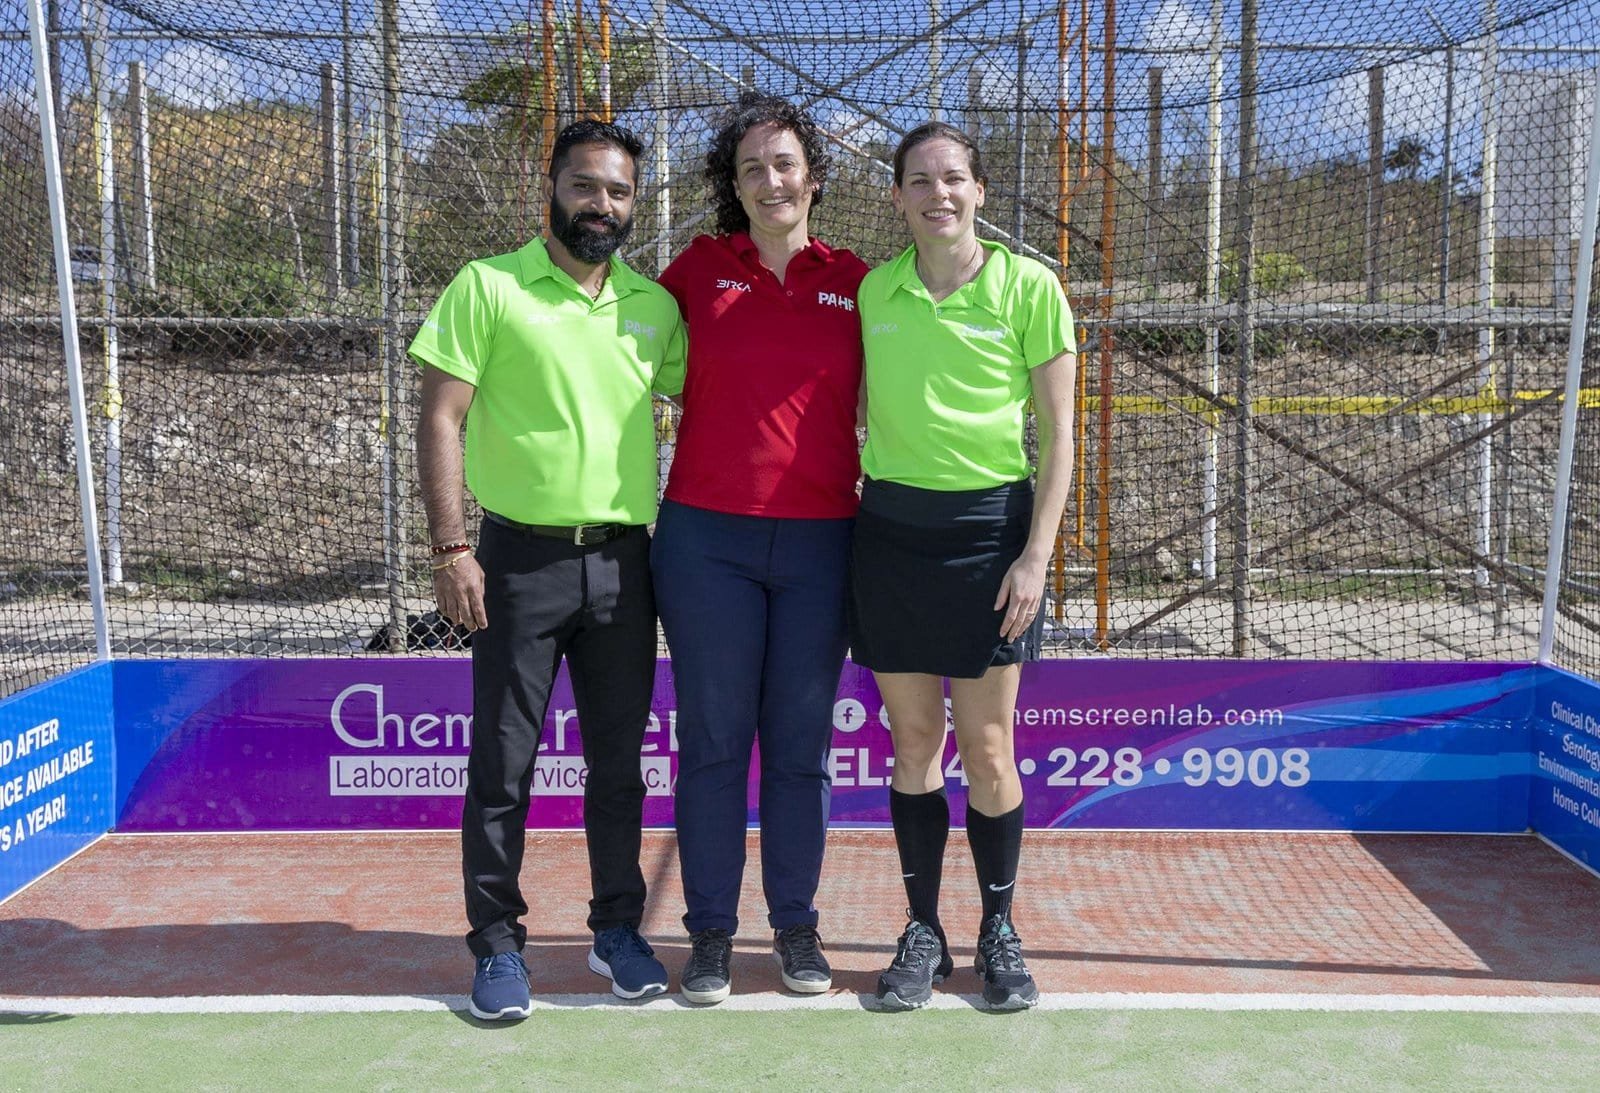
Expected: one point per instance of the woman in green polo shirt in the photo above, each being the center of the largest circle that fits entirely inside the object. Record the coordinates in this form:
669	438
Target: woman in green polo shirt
953	537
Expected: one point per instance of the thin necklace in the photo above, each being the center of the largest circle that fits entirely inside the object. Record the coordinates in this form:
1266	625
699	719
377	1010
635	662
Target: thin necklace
967	273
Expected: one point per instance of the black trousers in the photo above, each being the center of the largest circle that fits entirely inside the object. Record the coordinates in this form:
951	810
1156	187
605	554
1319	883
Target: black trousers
547	599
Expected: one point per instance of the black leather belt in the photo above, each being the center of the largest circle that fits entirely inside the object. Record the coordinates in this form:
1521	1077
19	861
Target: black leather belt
577	534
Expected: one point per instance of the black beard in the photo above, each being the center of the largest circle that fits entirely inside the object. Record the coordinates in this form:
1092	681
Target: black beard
589	247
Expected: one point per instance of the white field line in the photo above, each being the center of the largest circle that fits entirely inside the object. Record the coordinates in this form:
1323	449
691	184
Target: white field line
833	1002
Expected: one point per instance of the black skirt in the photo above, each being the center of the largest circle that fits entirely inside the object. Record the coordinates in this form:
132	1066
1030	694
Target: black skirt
926	566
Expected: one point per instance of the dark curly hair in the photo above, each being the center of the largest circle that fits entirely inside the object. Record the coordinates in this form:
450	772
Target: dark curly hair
753	109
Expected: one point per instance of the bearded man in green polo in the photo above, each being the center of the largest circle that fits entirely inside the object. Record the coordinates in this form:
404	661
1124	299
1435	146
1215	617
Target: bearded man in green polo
549	356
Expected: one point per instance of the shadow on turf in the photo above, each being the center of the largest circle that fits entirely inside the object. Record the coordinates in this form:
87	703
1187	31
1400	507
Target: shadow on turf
10	1020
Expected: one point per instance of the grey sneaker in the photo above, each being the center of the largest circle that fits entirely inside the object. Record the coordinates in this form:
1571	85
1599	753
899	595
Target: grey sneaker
799	950
1007	983
920	961
706	979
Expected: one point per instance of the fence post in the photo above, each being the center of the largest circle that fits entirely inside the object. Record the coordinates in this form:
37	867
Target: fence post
1209	491
662	136
347	125
1243	438
1153	194
1020	168
1487	231
1569	408
45	96
392	274
94	42
1374	231
330	230
144	222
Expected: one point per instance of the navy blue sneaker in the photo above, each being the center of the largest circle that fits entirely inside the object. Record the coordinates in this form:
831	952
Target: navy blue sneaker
627	959
500	989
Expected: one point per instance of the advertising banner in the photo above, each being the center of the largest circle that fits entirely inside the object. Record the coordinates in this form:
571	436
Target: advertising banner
382	743
56	773
1566	764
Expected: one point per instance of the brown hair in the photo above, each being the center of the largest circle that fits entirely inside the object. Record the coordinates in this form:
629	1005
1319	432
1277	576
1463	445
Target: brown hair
938	130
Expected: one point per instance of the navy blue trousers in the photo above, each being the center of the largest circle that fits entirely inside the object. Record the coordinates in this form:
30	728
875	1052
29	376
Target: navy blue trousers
754	612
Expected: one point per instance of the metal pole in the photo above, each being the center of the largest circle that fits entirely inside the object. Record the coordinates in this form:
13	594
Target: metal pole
44	94
1569	409
1566	122
392	289
1374	233
547	92
580	99
662	135
1020	170
1447	181
352	223
1209	490
1108	236
1243	435
144	222
96	24
1063	245
330	229
1502	545
1152	192
605	61
1487	231
933	61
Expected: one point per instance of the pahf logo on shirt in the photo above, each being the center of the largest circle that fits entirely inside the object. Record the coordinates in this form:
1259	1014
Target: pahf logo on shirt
835	299
630	326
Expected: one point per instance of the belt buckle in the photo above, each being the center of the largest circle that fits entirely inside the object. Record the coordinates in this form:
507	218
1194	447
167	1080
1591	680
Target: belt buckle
580	534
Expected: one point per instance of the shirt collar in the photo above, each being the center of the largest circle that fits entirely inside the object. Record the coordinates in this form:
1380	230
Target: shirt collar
815	251
986	290
535	264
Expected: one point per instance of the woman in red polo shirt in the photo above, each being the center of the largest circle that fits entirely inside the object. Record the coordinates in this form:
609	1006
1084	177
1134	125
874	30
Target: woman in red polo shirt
752	547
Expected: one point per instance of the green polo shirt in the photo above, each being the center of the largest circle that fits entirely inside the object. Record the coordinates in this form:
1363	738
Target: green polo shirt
948	382
561	429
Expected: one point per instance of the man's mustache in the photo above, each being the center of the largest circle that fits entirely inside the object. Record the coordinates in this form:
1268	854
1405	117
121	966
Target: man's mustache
598	218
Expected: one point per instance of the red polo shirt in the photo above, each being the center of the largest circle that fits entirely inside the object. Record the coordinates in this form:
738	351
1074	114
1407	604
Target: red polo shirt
769	401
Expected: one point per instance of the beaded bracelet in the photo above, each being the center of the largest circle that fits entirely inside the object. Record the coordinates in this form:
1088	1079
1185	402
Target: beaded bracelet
449	548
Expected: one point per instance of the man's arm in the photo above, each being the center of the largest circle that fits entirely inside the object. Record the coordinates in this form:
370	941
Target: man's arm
457	578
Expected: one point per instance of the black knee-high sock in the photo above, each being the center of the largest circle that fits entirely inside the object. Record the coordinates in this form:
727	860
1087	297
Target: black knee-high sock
921	829
996	843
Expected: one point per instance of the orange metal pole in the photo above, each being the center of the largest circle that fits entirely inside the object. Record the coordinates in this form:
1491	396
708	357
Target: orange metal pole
580	96
1063	252
547	99
605	61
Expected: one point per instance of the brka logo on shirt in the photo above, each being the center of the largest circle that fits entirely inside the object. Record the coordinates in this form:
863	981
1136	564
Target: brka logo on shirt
834	299
631	327
884	328
737	286
993	334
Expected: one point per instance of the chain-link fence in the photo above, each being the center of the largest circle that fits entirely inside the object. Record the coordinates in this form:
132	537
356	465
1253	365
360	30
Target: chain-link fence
1323	258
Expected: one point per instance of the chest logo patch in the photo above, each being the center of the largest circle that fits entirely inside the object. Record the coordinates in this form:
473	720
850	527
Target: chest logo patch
737	286
648	333
835	299
884	328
